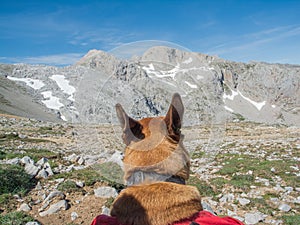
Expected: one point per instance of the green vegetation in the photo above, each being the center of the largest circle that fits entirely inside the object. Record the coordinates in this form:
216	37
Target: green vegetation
68	186
35	154
203	187
260	167
109	173
14	180
291	219
15	218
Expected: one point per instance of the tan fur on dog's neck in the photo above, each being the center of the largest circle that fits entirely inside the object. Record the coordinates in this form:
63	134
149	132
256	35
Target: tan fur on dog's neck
159	203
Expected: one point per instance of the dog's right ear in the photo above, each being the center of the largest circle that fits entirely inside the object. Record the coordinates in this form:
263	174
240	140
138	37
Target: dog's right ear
132	129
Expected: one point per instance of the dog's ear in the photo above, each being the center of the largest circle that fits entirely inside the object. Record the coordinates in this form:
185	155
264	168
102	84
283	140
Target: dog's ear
132	129
174	117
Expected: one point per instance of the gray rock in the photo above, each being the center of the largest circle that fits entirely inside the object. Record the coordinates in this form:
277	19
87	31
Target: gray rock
54	208
227	198
24	207
55	194
105	211
42	161
31	169
243	201
27	160
207	207
42	174
284	207
72	158
74	216
14	161
48	169
33	223
22	136
288	189
105	192
254	218
80	184
80	161
38	186
117	158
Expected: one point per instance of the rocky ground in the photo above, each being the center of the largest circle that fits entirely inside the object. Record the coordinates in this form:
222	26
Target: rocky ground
245	170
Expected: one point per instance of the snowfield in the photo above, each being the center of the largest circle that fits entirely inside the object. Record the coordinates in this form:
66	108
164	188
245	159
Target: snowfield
33	83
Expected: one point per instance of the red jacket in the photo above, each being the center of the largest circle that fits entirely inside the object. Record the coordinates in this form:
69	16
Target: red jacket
201	218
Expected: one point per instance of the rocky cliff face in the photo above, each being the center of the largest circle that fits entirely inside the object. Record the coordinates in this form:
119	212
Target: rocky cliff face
213	89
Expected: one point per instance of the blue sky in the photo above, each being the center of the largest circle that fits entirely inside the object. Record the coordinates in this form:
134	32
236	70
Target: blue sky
60	32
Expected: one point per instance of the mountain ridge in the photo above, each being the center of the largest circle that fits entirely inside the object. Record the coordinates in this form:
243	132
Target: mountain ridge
214	89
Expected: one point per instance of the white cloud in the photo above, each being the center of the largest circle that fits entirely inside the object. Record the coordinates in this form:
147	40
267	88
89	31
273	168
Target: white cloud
247	45
58	60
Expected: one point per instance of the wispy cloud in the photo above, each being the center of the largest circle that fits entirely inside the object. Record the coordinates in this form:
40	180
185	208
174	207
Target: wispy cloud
57	60
253	41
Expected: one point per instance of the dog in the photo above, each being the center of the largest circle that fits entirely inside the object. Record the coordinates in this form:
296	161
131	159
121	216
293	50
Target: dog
156	168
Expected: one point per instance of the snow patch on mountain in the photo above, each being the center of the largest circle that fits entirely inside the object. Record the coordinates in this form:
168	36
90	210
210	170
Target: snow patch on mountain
188	61
231	97
51	101
258	105
150	70
191	85
228	109
33	83
64	85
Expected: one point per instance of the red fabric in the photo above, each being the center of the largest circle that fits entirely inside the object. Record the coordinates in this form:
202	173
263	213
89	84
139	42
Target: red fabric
207	218
202	218
105	220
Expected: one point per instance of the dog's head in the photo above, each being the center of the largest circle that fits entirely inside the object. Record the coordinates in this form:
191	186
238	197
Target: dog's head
154	149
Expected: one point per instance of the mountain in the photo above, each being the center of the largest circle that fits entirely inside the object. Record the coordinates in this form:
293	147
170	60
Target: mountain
214	90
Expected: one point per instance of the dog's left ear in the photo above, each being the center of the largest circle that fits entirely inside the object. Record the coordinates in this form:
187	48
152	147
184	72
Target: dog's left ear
174	117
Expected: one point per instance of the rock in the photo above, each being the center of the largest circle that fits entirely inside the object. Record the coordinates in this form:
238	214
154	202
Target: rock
48	169
105	192
38	186
22	136
207	207
227	198
117	158
105	211
253	218
80	161
42	161
24	207
33	223
27	160
288	189
284	207
14	161
61	205
72	158
42	174
80	184
243	201
74	216
31	169
55	194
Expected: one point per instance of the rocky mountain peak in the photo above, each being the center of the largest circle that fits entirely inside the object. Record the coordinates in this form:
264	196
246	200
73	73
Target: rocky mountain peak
212	88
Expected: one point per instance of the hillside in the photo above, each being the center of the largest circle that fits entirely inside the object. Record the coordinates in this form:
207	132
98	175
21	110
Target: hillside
81	174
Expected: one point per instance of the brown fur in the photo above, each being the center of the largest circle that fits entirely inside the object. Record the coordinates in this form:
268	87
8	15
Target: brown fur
159	203
154	146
